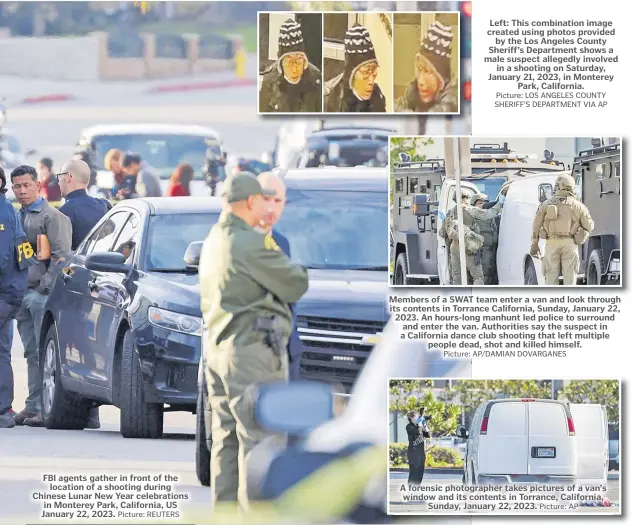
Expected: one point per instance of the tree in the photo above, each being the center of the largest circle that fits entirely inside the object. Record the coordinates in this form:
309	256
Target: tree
321	6
409	146
407	395
603	392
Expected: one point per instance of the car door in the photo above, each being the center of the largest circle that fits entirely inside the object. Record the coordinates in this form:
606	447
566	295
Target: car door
503	445
82	322
446	202
109	298
551	448
591	435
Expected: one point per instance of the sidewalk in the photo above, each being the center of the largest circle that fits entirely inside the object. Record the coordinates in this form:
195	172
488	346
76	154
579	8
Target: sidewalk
19	90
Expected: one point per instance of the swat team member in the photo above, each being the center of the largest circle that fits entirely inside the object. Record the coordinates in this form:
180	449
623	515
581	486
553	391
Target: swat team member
473	241
565	223
246	285
291	84
355	89
417	431
214	167
16	255
443	231
489	231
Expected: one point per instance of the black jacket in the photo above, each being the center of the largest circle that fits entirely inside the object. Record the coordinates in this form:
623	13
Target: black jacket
340	99
84	212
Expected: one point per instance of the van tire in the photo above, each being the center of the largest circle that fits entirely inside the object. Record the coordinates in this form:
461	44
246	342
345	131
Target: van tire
401	267
139	419
530	275
595	267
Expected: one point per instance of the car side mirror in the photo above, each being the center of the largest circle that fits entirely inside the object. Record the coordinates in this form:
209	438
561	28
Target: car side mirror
113	262
421	205
192	255
293	408
462	432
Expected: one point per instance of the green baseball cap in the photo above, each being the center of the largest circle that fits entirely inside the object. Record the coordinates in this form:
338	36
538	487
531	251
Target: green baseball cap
243	185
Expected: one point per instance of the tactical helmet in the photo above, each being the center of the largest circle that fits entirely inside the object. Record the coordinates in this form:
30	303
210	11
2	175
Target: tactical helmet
478	197
565	182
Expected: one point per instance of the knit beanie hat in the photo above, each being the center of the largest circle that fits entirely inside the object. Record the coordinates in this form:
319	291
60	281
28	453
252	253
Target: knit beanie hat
290	39
359	50
437	49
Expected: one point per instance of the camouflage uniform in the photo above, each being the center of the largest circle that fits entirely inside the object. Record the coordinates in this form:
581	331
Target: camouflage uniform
277	95
472	237
245	281
489	230
565	223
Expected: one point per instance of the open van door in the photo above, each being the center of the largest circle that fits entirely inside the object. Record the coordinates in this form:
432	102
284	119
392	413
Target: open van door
591	434
447	202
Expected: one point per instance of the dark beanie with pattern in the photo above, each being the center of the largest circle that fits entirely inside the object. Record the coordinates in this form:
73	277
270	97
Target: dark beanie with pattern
290	38
359	50
437	49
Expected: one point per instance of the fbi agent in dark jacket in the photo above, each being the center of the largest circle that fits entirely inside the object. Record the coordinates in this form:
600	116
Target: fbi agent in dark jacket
16	255
355	90
291	84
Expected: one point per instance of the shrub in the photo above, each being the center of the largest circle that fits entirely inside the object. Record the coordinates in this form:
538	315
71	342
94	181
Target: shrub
436	457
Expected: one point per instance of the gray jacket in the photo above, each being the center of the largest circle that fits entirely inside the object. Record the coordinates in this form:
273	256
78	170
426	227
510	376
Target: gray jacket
42	218
148	183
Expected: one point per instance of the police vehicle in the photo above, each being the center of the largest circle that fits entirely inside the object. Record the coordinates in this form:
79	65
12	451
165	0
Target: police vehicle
597	172
413	237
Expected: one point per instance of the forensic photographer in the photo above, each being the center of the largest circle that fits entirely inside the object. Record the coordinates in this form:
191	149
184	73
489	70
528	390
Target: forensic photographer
417	430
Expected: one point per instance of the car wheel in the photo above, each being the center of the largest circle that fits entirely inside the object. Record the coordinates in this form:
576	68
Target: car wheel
202	452
139	419
594	275
530	275
60	409
401	269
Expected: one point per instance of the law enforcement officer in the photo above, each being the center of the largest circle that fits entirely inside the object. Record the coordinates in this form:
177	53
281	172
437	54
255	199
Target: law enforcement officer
292	84
443	231
473	241
489	231
270	181
433	90
417	431
16	255
355	89
246	285
565	223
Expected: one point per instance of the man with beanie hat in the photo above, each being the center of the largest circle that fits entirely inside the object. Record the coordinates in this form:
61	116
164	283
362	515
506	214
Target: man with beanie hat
355	89
432	90
291	84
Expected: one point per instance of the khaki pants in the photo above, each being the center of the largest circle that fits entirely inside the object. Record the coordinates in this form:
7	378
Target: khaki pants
230	372
472	264
561	254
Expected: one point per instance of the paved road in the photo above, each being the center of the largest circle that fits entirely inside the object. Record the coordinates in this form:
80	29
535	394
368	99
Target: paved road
27	453
397	479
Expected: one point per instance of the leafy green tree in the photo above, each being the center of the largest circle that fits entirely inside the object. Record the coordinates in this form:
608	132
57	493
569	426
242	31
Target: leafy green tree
603	392
408	145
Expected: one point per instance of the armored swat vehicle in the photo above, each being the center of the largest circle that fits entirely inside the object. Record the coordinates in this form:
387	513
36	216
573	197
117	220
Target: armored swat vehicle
413	235
597	172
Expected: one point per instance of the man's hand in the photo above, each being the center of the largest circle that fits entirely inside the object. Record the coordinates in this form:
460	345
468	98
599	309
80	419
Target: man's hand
535	250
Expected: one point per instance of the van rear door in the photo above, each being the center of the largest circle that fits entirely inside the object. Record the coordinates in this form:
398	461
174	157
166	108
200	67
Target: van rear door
591	434
503	448
551	449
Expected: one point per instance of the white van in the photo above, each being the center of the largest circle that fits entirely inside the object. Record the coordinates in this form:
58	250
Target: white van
514	264
536	441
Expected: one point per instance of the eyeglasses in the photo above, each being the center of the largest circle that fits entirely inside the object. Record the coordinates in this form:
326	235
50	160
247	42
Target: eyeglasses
293	62
62	174
369	72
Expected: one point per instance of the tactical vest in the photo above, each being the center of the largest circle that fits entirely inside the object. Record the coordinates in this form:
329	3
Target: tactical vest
486	229
560	218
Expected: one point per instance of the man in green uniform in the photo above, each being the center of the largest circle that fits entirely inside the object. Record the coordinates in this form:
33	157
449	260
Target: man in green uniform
246	286
565	223
443	231
489	231
473	241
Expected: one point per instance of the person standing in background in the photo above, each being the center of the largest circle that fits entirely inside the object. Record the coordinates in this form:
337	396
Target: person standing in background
49	189
180	182
112	162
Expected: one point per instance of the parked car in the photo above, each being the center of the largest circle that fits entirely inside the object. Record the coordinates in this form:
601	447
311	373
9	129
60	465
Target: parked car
162	146
535	440
11	155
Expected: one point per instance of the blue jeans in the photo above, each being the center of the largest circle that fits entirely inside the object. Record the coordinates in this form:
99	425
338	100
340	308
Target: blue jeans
7	313
29	318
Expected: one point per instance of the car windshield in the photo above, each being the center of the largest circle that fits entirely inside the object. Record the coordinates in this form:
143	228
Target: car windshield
336	230
170	235
490	187
161	151
346	154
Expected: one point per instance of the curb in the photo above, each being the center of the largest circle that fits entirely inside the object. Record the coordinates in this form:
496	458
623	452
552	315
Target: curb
200	86
432	470
48	98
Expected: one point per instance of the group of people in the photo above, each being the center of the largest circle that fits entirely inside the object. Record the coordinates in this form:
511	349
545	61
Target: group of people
34	240
480	235
292	84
